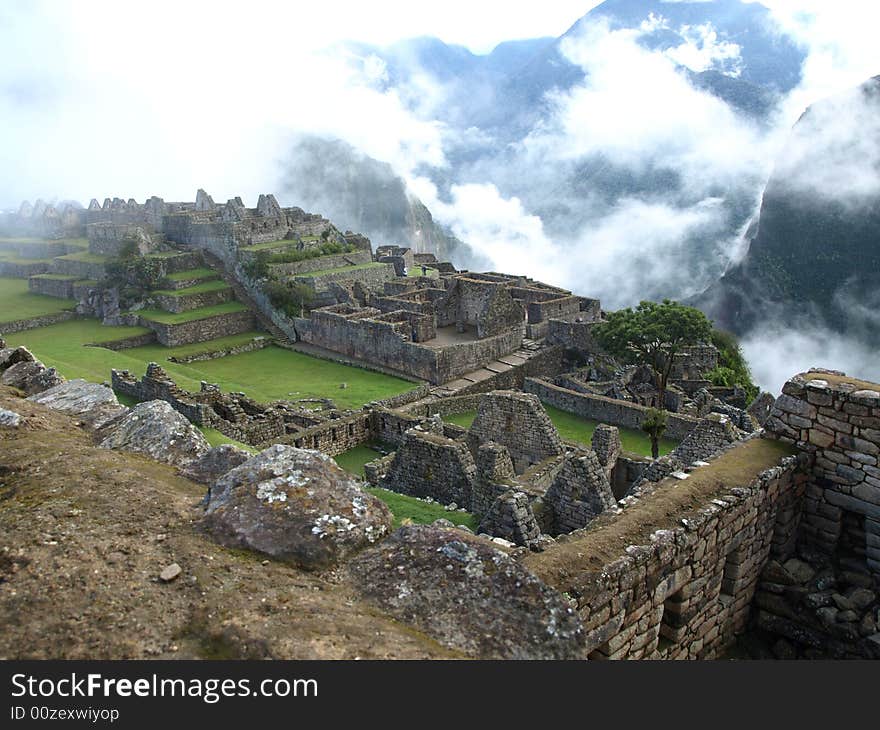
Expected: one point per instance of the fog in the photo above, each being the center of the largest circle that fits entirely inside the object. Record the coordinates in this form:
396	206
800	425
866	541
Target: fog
106	99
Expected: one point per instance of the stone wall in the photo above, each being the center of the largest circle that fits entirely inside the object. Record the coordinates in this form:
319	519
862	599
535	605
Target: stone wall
336	435
579	494
22	269
321	263
518	422
605	410
374	341
681	586
427	464
258	343
572	335
837	420
50	286
370	277
78	269
200	330
20	325
188	302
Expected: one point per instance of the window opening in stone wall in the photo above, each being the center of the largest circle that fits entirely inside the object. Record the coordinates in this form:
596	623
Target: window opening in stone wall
673	622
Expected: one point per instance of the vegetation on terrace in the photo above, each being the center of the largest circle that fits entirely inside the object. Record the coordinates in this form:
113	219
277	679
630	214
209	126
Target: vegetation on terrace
339	270
16	302
202	288
157	315
193	274
87	257
269	374
258	267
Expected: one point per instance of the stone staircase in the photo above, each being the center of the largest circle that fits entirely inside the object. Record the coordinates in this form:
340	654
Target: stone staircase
242	295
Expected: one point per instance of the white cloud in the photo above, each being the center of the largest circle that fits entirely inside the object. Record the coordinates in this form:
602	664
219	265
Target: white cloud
777	352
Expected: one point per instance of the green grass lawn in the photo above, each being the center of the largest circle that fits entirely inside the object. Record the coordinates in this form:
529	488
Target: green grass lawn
354	459
273	373
196	289
268	374
580	430
408	510
327	272
401	506
215	438
16	302
14	258
87	257
157	315
192	274
56	277
416	271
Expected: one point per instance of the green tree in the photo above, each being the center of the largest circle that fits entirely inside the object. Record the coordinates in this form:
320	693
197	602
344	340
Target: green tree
655	426
653	334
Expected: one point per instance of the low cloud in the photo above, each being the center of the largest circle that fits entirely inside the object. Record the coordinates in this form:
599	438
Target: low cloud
776	352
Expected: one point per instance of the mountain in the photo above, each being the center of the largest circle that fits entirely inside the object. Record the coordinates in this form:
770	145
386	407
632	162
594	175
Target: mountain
815	249
511	122
362	194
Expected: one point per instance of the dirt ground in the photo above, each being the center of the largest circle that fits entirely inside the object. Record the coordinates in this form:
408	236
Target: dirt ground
85	533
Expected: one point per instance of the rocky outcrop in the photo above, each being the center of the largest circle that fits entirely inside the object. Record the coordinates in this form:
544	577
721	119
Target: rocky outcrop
215	463
468	595
156	430
94	405
295	505
30	377
9	356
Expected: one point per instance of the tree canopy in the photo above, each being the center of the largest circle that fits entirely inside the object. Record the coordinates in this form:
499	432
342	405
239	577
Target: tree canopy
652	334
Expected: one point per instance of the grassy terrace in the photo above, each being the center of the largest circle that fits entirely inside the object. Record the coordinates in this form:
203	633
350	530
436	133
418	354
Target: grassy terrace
16	302
580	430
269	245
192	274
56	277
196	289
341	269
14	258
87	257
268	374
157	315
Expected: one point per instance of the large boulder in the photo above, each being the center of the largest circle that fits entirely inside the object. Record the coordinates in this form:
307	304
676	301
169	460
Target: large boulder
295	505
468	595
11	355
208	468
155	429
93	404
30	376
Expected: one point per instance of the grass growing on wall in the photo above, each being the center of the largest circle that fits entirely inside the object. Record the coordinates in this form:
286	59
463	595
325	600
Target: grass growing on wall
580	430
16	302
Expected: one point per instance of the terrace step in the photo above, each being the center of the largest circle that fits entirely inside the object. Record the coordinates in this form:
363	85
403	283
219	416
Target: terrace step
205	294
189	278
